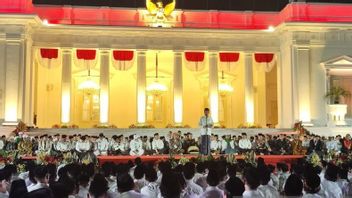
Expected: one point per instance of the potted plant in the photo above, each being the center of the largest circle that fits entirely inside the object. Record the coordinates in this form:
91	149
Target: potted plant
335	94
337	111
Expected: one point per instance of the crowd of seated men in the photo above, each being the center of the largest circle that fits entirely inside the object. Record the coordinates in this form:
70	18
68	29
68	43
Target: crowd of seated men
175	143
197	179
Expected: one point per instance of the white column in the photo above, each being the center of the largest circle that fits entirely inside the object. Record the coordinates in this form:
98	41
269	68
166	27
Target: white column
302	64
2	79
28	109
178	88
104	85
213	86
248	88
285	87
14	63
66	86
141	87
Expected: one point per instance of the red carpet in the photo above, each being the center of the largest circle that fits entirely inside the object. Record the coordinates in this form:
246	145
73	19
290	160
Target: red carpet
269	159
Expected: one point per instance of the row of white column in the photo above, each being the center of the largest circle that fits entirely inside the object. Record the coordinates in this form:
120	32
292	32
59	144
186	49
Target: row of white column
141	87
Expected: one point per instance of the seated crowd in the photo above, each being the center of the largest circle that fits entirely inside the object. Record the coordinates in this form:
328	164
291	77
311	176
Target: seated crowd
204	179
175	143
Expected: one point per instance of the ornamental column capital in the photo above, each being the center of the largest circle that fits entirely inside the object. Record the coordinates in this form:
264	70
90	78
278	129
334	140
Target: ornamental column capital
104	50
66	50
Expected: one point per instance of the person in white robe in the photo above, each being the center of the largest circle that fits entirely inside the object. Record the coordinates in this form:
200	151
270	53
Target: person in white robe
136	146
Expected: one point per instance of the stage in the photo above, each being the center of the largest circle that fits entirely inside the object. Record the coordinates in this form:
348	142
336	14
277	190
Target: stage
269	159
108	132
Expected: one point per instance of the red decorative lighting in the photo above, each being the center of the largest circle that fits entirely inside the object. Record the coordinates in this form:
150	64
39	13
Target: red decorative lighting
86	54
263	57
49	53
194	56
229	56
123	55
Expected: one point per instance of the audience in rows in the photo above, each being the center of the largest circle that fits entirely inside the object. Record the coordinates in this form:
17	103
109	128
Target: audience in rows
175	143
212	179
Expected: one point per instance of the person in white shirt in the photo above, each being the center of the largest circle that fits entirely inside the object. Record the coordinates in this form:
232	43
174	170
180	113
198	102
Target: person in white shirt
98	187
252	181
192	188
311	186
205	124
266	189
136	146
41	176
215	144
102	144
212	190
234	187
200	176
44	144
83	186
125	186
116	147
151	190
329	184
244	144
283	174
157	144
138	175
63	145
293	186
342	180
83	146
227	145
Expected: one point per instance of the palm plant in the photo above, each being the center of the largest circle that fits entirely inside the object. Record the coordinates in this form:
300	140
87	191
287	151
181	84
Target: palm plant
335	93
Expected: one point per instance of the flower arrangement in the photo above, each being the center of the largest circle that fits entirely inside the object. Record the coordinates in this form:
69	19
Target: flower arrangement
314	159
231	158
68	158
44	158
177	126
112	126
8	157
21	168
250	157
57	126
148	126
249	126
220	127
183	160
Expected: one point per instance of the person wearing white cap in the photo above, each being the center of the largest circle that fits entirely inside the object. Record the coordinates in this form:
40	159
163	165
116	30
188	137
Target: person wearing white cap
136	146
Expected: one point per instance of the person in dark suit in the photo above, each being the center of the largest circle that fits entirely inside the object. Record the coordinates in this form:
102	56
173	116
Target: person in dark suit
315	145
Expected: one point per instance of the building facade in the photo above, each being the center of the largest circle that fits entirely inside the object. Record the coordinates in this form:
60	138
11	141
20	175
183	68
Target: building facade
97	66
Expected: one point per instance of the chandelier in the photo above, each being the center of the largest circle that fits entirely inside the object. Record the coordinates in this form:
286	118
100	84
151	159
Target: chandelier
156	88
224	88
89	83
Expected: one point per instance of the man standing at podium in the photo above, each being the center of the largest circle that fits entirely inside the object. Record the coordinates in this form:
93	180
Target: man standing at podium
205	124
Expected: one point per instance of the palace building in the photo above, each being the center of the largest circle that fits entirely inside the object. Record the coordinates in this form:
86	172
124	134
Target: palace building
139	63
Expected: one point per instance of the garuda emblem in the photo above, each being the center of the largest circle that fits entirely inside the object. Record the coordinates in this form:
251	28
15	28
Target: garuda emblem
160	12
